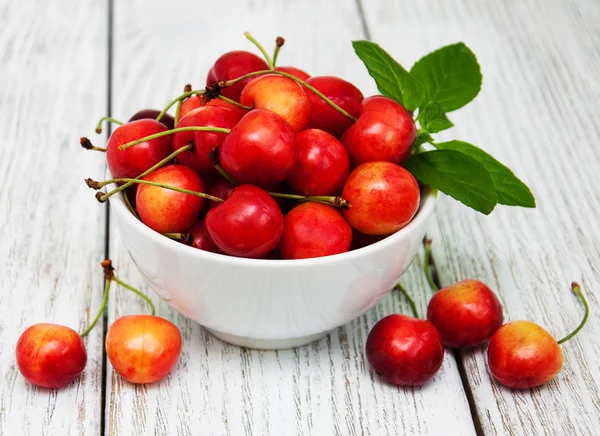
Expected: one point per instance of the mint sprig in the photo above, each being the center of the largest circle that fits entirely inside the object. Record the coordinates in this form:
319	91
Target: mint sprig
441	82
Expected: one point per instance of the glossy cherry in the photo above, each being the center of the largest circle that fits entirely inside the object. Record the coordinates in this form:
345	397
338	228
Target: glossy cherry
165	210
222	189
322	166
143	348
133	161
342	93
280	95
203	142
167	120
247	224
384	131
260	150
466	313
384	198
296	72
405	350
201	239
50	355
232	65
195	101
314	230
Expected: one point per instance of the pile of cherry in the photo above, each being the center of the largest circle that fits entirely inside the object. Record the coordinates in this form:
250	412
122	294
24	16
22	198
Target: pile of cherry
268	162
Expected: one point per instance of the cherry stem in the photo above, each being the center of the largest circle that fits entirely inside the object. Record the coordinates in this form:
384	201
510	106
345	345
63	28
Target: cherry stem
411	302
260	47
333	201
577	290
225	84
128	204
213	156
186	88
110	120
427	266
235	103
178	99
279	41
87	144
89	328
185	237
170	187
138	293
172	131
98	185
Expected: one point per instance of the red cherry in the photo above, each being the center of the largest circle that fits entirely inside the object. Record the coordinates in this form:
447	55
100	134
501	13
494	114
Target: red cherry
232	65
259	150
342	93
204	142
466	313
405	350
296	72
314	230
384	198
280	95
384	131
50	355
222	189
166	119
195	101
143	348
201	239
322	166
165	210
523	355
247	224
133	161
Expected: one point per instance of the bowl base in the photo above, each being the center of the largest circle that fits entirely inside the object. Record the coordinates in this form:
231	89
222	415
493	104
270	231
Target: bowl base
266	344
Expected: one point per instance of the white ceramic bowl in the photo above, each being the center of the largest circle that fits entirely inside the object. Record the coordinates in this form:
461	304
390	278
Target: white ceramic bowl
270	304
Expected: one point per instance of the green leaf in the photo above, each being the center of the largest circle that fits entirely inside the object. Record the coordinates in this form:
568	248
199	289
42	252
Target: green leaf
433	118
422	137
391	78
456	174
451	76
511	191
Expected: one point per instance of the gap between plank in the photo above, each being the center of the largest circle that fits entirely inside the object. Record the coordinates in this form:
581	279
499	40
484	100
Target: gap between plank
363	19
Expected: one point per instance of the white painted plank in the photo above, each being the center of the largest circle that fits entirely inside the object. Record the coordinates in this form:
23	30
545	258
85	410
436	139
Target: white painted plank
324	388
538	113
52	88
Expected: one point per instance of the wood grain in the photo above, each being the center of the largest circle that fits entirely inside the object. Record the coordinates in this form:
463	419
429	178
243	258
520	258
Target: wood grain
538	113
323	388
52	88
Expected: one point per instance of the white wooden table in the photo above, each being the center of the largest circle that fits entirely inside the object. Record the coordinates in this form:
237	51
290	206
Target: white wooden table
63	64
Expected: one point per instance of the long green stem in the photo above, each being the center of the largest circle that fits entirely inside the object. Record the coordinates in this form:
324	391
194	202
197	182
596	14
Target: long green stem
577	290
177	99
129	206
261	48
411	302
427	266
279	41
110	120
87	144
89	328
172	131
235	103
333	201
138	293
162	185
156	166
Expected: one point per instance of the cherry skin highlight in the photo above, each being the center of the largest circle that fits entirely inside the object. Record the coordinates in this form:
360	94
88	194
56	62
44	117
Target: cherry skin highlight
405	351
247	224
342	93
143	348
314	230
165	210
466	313
232	65
133	161
201	239
260	150
50	355
167	120
384	131
296	72
322	166
195	102
522	355
384	198
280	95
203	142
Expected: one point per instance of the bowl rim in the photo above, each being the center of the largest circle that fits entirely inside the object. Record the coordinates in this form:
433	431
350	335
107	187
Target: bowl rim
426	207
